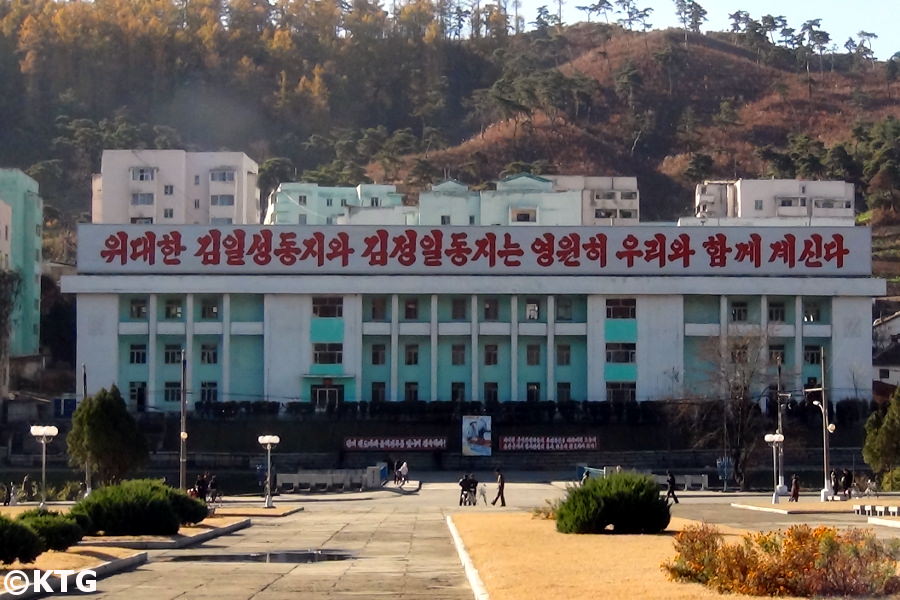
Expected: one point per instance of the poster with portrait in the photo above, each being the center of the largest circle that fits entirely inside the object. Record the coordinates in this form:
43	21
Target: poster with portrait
476	435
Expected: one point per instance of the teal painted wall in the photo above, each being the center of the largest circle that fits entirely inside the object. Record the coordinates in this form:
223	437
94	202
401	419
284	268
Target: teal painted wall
754	307
788	302
419	373
816	370
498	373
327	370
576	372
370	372
326	329
699	370
620	371
579	308
542	309
166	372
367	308
701	309
247	367
247	308
448	372
532	373
161	302
199	299
127	371
621	330
424	309
125	307
824	305
503	305
445	309
202	372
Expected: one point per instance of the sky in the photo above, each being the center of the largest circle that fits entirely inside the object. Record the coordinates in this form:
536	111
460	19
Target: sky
841	19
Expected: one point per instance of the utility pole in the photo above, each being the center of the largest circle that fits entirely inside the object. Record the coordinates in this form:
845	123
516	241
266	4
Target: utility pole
87	463
781	396
182	454
827	429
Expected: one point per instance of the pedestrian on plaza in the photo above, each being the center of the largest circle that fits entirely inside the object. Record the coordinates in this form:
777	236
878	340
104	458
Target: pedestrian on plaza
213	489
482	493
201	487
404	473
835	483
473	489
670	487
847	483
7	494
585	476
463	489
795	489
501	484
28	488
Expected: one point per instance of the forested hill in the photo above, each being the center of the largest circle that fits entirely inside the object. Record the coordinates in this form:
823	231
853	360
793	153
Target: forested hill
337	91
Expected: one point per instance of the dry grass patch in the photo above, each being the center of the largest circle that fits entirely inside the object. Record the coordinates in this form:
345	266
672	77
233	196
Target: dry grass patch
256	511
520	558
75	558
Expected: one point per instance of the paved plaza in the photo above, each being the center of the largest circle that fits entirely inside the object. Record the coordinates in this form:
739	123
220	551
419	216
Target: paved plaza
400	545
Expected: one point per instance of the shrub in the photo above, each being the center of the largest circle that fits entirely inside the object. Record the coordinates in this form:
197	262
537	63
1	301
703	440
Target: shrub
629	502
800	561
57	531
83	519
18	542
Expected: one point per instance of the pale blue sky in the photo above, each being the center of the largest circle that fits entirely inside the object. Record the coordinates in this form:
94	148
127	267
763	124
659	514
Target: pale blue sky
841	19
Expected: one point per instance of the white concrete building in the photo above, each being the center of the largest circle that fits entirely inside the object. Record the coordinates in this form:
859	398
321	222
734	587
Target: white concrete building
300	203
449	203
604	200
175	187
529	200
805	202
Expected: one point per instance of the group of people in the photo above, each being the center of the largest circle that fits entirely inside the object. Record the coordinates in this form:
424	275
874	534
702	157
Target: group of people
10	496
843	484
401	473
471	490
206	488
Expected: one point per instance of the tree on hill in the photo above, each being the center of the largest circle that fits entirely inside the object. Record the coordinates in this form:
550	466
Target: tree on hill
105	437
699	169
881	449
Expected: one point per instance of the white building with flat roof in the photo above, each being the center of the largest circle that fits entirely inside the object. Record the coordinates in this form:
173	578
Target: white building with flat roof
809	202
303	203
604	200
175	187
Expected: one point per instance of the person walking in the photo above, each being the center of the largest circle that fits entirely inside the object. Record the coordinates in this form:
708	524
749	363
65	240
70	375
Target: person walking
795	489
28	488
670	487
847	483
463	489
7	496
501	484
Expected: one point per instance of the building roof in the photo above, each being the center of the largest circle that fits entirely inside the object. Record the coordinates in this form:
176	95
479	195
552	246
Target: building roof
883	320
526	175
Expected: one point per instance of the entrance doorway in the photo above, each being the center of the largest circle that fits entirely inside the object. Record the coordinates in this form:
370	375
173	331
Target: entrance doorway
326	398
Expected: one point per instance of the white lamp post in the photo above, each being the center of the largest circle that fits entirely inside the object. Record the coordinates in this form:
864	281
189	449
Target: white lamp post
827	428
44	434
775	439
268	442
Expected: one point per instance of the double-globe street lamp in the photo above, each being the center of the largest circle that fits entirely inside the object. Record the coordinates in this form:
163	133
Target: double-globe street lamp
776	440
827	428
268	442
44	434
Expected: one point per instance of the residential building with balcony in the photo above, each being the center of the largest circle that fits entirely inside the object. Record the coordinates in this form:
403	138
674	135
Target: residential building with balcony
791	200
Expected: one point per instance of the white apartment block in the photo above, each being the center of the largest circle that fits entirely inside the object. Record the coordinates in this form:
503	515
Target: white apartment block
604	200
806	202
300	203
176	187
449	203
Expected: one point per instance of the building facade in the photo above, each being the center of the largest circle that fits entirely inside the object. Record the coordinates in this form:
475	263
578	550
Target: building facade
803	201
21	232
299	203
389	314
175	187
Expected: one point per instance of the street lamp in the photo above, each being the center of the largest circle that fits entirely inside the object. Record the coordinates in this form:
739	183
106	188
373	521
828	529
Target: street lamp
182	448
776	439
44	434
827	428
268	442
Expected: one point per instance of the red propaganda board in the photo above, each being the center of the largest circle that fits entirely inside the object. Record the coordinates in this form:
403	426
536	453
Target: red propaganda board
547	443
532	250
407	444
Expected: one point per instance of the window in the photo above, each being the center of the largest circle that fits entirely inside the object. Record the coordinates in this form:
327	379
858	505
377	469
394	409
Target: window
620	308
604	213
378	394
458	309
776	354
328	354
138	309
220	221
174	309
375	201
629	195
524	216
740	354
172	354
209	354
563	308
196	203
301	219
532	354
738	312
563	355
221	175
812	312
301	200
622	352
142	199
173	391
490	354
137	354
812	355
378	354
168	213
209	391
490	391
776	312
196	180
606	196
221	200
328	306
491	309
563	391
137	394
379	309
445	219
330	220
621	391
533	391
412	354
884	373
458	354
411	391
532	309
168	190
209	308
142	173
329	201
471	219
343	202
457	391
411	309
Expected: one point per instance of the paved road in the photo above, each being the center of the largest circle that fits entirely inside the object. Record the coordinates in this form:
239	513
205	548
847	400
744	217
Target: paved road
401	546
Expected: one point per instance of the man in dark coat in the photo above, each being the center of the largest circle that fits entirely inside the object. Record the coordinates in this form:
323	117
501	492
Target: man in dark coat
501	483
670	487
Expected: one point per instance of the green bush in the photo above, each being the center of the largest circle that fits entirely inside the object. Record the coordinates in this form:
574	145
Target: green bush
57	531
18	542
628	502
83	519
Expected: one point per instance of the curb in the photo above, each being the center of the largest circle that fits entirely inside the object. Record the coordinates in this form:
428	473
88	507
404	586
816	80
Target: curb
884	522
790	511
475	582
182	542
102	570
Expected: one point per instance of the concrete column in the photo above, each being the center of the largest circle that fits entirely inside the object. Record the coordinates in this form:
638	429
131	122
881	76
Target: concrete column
434	347
395	350
723	338
154	398
189	348
798	343
476	354
514	348
596	348
226	346
764	329
353	324
551	348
